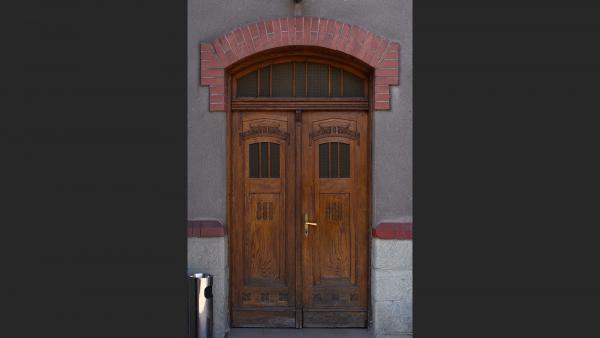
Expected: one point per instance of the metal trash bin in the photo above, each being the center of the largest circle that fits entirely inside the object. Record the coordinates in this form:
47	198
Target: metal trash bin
200	308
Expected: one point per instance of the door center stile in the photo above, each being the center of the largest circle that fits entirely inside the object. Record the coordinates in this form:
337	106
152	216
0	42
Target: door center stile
297	214
299	202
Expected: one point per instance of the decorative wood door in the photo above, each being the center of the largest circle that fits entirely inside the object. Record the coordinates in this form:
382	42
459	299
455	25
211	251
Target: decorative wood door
335	197
289	169
262	238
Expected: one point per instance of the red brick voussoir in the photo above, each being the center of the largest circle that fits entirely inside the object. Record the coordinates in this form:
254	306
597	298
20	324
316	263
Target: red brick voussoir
380	53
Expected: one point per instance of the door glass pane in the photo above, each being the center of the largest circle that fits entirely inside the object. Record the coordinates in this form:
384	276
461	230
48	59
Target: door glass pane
300	79
324	160
253	160
344	160
264	152
334	160
336	82
274	160
265	83
353	85
318	80
247	85
282	80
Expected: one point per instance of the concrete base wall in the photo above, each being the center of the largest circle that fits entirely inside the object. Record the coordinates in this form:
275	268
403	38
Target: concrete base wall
391	157
391	287
209	255
392	130
391	283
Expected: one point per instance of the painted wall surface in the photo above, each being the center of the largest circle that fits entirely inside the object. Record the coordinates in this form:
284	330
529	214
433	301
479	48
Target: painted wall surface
392	145
392	130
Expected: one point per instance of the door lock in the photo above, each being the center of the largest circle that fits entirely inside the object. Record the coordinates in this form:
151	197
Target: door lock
306	224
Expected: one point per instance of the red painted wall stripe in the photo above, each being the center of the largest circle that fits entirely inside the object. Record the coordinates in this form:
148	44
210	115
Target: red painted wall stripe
205	228
231	47
393	231
212	228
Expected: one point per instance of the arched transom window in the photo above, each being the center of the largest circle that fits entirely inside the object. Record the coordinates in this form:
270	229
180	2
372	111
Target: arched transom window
300	80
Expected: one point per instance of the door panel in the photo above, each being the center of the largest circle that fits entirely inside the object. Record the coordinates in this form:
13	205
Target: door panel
282	169
262	233
334	195
334	239
264	259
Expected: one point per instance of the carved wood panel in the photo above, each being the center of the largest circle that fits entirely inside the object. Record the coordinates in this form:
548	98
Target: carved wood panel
263	257
279	277
334	238
262	236
335	252
330	129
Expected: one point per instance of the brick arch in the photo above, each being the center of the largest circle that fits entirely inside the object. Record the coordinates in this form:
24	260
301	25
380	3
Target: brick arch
380	53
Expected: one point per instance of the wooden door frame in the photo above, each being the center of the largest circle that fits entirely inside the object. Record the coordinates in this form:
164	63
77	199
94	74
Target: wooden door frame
295	106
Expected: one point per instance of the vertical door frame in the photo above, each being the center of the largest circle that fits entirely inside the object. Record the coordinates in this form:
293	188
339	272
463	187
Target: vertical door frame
297	224
365	137
298	191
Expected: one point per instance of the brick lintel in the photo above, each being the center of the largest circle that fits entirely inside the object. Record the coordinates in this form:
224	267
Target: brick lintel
379	53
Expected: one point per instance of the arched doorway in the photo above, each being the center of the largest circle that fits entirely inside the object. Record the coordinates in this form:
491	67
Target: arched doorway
299	193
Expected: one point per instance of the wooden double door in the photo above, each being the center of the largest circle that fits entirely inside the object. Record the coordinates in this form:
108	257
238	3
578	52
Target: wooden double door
299	219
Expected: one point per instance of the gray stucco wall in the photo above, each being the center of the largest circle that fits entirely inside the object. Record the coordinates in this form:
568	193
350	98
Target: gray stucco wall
392	130
392	144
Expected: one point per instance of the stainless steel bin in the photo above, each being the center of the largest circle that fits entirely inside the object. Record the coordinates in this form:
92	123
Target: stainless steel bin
200	306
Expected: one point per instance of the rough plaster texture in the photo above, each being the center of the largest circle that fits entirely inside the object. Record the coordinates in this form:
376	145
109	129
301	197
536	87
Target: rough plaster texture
392	156
392	254
392	143
206	162
209	255
392	130
391	287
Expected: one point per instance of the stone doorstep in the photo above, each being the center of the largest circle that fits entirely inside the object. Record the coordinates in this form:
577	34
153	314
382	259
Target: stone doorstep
299	333
312	333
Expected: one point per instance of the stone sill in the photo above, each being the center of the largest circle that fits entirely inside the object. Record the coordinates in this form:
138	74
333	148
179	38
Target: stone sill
205	228
393	231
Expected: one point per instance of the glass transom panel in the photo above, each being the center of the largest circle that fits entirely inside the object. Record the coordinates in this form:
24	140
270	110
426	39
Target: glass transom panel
300	79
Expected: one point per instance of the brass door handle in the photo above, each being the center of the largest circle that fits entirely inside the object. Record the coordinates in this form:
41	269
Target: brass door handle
306	224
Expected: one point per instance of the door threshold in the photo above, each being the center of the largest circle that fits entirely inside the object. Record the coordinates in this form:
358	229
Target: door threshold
299	333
